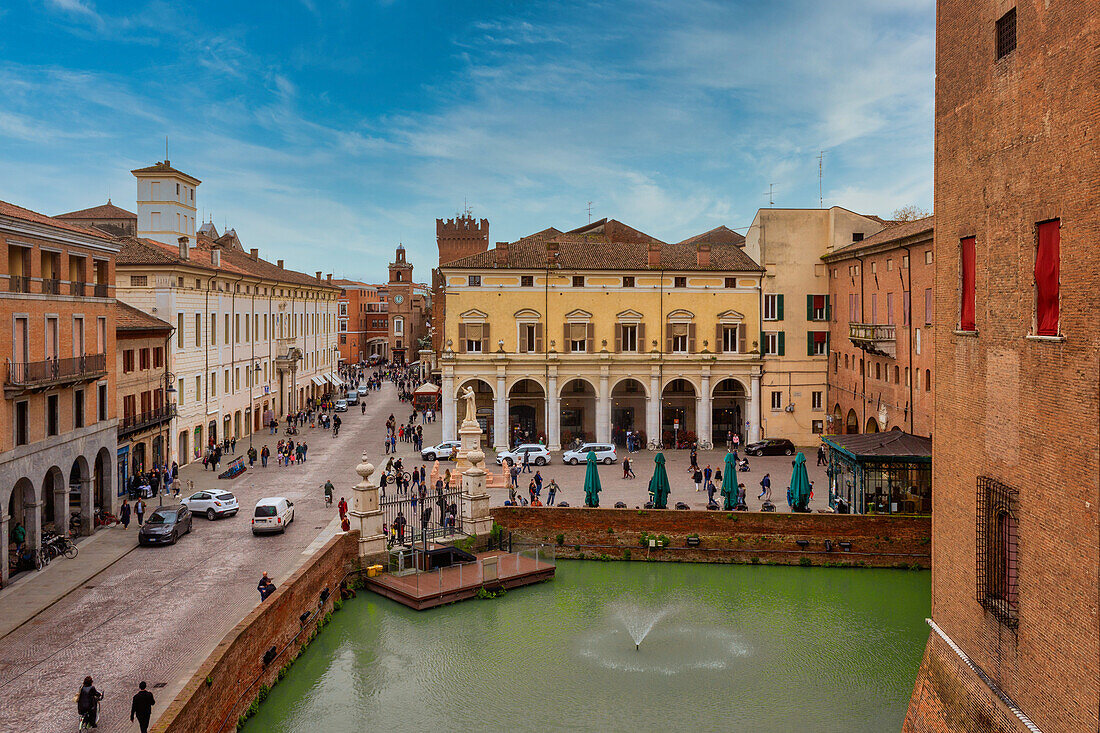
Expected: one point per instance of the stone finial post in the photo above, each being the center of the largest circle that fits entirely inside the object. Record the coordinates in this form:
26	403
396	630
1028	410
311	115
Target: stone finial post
475	500
366	513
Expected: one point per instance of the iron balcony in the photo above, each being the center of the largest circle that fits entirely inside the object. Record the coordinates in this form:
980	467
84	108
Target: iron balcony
143	420
54	372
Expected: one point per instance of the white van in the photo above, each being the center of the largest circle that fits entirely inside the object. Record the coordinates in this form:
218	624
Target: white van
353	397
272	515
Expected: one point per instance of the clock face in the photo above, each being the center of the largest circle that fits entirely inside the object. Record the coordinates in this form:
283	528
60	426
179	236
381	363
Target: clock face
399	299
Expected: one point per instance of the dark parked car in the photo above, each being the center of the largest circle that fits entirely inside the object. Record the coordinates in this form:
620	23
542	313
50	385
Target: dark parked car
165	525
770	447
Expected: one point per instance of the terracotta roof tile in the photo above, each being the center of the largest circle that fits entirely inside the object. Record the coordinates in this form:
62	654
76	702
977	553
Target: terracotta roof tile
18	212
893	233
165	167
104	211
135	251
607	245
719	235
129	318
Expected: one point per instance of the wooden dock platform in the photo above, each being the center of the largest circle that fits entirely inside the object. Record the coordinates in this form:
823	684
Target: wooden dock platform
461	582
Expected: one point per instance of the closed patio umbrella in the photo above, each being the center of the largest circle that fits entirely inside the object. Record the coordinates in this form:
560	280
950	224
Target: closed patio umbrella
798	494
591	482
729	483
658	485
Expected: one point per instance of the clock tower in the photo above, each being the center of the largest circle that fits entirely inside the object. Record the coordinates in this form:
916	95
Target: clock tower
402	331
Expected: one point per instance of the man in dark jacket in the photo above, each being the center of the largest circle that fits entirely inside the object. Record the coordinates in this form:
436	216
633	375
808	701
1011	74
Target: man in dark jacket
142	707
399	524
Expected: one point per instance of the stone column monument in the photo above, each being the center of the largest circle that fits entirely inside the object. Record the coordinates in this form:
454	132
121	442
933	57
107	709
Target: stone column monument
366	514
471	462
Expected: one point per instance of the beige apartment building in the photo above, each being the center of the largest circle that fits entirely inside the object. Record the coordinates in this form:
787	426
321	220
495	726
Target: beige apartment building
796	312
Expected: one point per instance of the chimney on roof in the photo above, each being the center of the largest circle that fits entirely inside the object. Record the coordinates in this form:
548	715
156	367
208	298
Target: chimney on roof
654	254
185	251
254	253
280	264
328	278
318	276
501	252
216	257
702	255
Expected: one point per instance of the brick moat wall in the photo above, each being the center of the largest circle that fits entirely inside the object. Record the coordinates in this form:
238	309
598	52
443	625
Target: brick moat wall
230	678
744	537
950	698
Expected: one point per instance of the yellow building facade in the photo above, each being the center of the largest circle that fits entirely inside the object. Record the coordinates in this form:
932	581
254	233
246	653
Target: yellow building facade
603	331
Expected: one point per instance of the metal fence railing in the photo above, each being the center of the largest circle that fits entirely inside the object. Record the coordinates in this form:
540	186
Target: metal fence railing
443	517
34	373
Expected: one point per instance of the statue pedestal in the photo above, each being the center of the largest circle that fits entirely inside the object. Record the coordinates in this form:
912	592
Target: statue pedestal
475	500
365	514
470	437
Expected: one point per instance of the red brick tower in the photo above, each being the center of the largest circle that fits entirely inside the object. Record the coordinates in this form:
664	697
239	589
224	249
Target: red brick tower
457	238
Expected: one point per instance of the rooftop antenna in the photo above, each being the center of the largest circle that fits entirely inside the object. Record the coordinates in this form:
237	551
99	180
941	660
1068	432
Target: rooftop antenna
820	195
589	212
165	148
771	194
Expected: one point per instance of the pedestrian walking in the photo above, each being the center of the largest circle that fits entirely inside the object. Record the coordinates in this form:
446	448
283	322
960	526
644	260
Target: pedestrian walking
141	708
265	453
697	477
514	473
766	488
139	510
710	492
527	461
531	491
343	507
706	473
694	457
551	492
821	455
538	483
18	537
124	514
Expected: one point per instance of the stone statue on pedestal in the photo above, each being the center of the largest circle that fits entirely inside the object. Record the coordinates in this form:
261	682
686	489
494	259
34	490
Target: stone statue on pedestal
471	407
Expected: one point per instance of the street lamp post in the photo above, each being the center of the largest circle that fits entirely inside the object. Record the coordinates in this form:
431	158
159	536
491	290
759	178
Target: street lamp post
255	369
169	389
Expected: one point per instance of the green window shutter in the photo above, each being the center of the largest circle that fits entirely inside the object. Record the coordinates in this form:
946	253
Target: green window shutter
809	343
782	348
779	307
809	307
828	307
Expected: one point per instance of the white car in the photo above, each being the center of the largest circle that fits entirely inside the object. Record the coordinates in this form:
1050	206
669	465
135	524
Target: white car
539	455
272	515
362	392
212	503
605	453
443	451
340	406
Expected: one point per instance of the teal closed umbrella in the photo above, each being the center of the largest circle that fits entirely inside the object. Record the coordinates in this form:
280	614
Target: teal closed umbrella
658	485
591	482
798	494
729	483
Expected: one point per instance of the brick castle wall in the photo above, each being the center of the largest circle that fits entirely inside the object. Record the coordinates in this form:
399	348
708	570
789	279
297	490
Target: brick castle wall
1016	145
876	541
235	668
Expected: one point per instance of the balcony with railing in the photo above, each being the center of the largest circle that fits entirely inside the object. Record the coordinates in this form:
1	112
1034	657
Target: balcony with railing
19	284
874	338
100	290
77	289
51	286
131	424
54	372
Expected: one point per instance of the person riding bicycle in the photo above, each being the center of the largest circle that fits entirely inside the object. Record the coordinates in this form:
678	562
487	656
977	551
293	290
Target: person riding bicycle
87	704
328	492
336	425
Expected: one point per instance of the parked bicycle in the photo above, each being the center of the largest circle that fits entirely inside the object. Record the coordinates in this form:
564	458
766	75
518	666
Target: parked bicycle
56	545
104	518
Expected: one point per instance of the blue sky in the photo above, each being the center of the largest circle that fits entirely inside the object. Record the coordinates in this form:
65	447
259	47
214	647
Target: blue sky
327	132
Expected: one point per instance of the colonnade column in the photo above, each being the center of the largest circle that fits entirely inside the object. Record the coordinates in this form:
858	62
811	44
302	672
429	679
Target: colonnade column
500	414
4	518
603	409
553	411
653	408
754	408
448	405
703	409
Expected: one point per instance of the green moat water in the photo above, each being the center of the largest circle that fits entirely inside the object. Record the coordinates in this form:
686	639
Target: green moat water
725	648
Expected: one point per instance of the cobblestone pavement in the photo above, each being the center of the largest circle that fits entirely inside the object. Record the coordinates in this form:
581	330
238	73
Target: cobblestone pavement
635	492
158	612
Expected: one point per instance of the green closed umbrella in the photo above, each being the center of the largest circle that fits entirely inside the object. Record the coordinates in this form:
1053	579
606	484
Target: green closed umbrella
729	483
591	482
658	484
798	495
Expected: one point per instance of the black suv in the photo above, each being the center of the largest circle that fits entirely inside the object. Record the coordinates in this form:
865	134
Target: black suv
770	447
